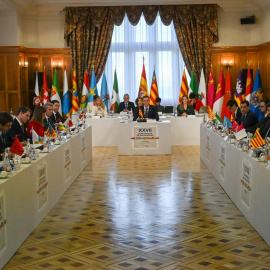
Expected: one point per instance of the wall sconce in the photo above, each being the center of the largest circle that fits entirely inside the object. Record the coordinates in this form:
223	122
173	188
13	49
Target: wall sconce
228	64
25	65
59	66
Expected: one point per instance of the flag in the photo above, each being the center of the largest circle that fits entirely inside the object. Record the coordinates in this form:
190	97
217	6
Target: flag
218	118
257	96
140	112
143	89
104	92
16	147
66	97
236	127
211	91
211	115
93	88
37	100
45	96
201	101
85	91
55	92
75	98
82	115
257	140
154	90
227	96
227	123
193	83
50	132
184	87
219	96
248	86
68	122
35	137
239	91
115	95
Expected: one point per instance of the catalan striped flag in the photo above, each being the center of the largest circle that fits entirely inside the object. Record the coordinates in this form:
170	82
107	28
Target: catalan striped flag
184	87
75	96
257	141
50	132
154	90
211	115
140	113
143	90
239	91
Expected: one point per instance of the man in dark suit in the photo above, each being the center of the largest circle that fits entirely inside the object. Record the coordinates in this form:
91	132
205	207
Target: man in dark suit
264	124
56	116
149	111
49	111
235	110
159	107
18	126
249	118
5	124
126	105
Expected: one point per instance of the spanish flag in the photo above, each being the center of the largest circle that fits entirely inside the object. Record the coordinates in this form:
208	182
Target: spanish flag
154	90
184	87
140	113
75	98
143	90
257	141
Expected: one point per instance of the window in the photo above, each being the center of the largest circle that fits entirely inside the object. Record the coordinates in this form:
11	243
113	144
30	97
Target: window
158	45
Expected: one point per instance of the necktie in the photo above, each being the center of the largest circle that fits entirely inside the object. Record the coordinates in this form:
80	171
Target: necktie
126	106
146	113
3	138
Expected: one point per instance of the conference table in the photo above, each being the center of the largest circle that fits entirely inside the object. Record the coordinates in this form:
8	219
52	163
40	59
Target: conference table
29	194
184	130
245	179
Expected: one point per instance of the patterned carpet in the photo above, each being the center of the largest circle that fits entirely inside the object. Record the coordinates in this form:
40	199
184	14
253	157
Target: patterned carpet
142	213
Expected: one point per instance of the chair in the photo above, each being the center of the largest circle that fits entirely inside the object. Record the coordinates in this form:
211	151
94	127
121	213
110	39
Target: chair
168	109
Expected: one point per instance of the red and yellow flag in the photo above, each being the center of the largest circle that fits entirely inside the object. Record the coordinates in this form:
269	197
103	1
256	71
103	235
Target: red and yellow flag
184	87
211	115
50	132
140	113
75	98
257	141
211	91
154	90
248	86
143	90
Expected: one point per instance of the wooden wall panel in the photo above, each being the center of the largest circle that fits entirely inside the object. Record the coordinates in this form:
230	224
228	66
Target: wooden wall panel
13	102
12	71
2	73
3	105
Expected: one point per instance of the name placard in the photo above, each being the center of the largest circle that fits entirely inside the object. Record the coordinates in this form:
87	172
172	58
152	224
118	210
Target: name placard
42	185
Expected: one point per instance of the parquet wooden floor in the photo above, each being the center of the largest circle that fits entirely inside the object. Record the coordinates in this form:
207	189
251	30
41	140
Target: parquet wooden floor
144	213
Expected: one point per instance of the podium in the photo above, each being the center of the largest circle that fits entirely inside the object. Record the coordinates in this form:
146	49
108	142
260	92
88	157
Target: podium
144	138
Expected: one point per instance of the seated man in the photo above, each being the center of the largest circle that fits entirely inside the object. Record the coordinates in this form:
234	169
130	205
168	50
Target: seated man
126	105
264	124
148	111
159	107
5	124
56	116
235	110
249	118
196	103
18	127
49	111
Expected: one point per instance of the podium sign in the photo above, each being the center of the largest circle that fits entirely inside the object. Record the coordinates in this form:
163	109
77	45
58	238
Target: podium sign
145	137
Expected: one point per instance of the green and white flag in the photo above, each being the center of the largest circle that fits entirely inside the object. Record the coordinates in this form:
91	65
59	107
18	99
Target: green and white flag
115	95
55	92
193	83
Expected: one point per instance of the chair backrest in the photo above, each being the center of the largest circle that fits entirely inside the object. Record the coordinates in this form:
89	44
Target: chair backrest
168	109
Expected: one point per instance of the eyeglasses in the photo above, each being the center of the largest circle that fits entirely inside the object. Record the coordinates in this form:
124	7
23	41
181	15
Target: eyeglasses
8	125
262	106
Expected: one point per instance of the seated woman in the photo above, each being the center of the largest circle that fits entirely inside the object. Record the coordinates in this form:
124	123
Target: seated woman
99	108
139	103
91	105
36	122
184	108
